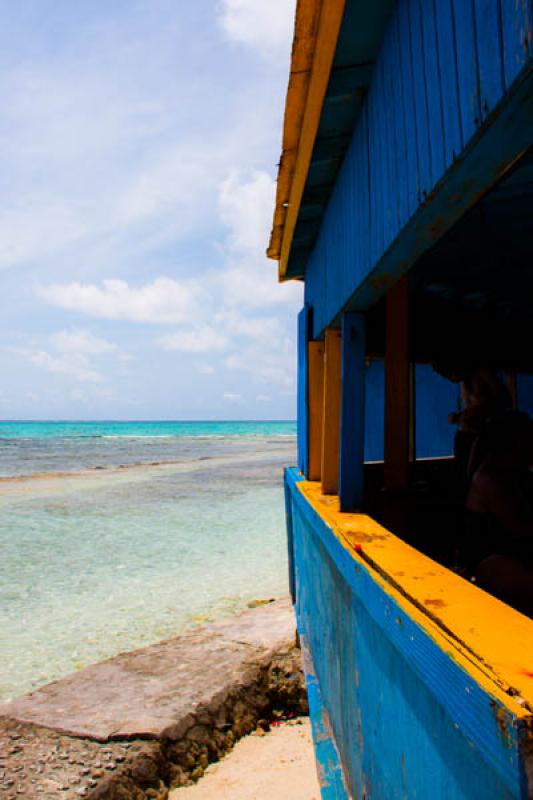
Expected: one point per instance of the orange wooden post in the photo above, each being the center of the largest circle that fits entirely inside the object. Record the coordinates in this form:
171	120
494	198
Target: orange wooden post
315	362
331	412
397	388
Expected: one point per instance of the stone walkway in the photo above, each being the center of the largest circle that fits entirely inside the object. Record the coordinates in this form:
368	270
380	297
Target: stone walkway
136	724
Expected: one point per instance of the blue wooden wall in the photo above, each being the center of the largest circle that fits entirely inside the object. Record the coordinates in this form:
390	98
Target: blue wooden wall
443	67
435	398
407	720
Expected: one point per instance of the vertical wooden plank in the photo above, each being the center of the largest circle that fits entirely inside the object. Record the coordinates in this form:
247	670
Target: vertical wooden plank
364	188
517	33
332	412
408	106
421	110
304	324
447	59
375	165
352	436
389	122
433	88
490	53
397	388
467	67
395	99
315	408
349	221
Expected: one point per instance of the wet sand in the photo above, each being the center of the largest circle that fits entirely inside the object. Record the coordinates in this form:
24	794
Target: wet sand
45	482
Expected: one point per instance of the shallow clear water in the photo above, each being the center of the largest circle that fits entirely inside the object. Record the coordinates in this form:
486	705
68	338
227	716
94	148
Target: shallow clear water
32	447
108	560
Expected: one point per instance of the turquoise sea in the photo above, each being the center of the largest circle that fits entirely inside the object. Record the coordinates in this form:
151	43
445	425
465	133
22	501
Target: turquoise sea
117	534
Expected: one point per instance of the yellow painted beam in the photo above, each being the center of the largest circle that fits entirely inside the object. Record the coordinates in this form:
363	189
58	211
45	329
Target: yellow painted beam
331	425
317	29
316	408
490	640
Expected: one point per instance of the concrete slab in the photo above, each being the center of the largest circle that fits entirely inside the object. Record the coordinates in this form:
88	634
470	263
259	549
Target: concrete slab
151	692
139	724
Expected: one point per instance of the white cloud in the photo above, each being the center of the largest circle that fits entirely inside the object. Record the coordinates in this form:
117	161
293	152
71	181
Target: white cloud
239	308
246	209
230	397
263	398
235	323
202	340
73	351
205	369
161	302
73	365
264	26
37	227
250	281
128	151
270	363
80	341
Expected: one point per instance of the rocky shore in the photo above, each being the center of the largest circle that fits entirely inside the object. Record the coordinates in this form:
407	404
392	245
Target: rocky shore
137	725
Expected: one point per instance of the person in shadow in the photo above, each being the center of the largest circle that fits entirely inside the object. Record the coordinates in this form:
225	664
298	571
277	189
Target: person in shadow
483	396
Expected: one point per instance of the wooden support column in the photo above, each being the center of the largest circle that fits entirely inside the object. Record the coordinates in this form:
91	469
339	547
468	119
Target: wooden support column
352	436
304	327
315	409
331	412
397	388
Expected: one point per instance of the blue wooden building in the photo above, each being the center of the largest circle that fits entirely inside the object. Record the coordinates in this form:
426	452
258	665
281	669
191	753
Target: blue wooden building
405	204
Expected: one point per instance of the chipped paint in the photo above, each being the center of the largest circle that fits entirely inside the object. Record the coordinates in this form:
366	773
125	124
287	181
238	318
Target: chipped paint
436	602
505	724
451	621
377	648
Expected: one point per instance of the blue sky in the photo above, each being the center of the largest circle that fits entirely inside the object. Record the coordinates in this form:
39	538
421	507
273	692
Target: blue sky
138	150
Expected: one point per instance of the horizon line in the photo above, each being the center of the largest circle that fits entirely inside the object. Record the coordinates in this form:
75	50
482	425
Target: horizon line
145	420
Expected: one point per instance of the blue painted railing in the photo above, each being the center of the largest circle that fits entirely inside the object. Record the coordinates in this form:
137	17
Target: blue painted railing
407	720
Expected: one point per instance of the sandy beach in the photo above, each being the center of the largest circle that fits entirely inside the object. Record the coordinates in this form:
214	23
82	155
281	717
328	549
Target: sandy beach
275	766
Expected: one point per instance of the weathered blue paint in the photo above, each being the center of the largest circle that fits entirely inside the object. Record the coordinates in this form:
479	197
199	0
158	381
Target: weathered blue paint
449	108
329	767
407	720
352	438
290	542
304	324
517	26
448	80
467	66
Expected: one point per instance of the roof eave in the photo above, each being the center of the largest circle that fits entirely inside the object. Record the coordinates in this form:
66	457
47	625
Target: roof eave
317	28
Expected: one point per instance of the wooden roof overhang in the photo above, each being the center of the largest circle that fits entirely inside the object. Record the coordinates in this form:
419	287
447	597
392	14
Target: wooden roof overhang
334	49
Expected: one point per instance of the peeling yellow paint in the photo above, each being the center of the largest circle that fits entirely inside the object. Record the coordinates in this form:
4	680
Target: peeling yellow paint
491	641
